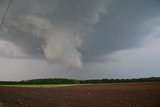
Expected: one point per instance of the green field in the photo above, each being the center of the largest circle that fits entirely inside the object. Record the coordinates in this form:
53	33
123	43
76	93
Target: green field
40	86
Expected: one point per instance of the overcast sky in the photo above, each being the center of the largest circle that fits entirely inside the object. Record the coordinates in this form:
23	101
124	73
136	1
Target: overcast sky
80	39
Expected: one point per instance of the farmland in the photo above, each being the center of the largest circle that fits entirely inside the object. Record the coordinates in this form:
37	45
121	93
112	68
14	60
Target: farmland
87	95
1	105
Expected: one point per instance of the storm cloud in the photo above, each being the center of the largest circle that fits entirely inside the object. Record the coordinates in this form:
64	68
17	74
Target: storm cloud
76	34
51	29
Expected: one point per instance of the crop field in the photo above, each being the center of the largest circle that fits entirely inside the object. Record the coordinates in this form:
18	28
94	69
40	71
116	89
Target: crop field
91	95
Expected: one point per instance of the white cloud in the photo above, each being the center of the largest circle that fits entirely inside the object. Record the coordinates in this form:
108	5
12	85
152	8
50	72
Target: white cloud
10	49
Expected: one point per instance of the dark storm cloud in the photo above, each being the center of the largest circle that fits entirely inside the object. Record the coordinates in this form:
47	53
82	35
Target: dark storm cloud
122	27
110	38
3	5
72	31
52	29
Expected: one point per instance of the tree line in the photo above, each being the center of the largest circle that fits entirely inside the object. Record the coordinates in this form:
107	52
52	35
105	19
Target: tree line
74	81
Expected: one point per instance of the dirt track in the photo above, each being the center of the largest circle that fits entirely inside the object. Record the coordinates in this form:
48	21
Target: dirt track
111	95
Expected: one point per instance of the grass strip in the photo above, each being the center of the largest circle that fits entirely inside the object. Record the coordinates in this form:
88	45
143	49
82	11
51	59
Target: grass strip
1	105
40	86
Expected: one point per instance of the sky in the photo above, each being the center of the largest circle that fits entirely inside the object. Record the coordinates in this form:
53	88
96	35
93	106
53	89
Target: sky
79	39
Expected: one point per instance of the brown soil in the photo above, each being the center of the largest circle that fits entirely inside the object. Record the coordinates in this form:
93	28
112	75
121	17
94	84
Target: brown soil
102	95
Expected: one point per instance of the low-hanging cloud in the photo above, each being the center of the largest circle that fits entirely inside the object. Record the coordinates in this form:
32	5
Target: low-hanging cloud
104	38
62	31
53	31
9	49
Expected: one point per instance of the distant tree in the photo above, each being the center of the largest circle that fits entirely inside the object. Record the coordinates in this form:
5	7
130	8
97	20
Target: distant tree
74	81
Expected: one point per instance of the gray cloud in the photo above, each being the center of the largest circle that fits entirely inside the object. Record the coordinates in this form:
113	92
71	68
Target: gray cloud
70	32
73	33
52	29
122	27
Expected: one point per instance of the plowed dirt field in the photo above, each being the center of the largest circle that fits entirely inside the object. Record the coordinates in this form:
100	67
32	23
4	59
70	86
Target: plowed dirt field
99	95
